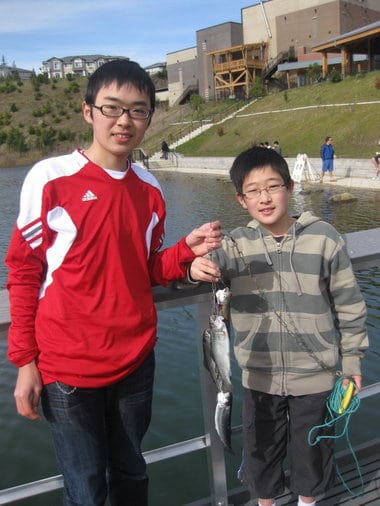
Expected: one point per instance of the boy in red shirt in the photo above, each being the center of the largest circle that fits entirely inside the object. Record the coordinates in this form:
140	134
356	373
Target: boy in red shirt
83	257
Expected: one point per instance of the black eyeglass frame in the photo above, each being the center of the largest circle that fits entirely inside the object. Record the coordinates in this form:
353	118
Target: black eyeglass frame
122	111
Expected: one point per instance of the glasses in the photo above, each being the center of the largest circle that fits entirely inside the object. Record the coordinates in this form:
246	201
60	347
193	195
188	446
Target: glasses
254	194
115	111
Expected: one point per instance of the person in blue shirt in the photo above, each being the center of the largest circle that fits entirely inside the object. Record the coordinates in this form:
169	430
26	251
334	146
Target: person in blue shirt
327	155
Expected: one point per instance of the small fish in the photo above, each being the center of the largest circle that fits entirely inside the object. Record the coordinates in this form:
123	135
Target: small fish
216	353
223	418
220	352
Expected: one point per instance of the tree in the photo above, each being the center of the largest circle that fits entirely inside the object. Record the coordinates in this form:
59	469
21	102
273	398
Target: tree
257	88
197	105
16	140
313	73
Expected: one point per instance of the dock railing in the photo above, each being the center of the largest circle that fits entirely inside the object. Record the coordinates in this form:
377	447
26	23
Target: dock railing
364	250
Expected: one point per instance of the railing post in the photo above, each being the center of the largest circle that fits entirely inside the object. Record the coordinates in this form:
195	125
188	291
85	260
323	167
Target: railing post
215	450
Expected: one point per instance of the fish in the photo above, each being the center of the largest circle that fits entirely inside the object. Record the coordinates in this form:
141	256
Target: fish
223	418
223	297
216	358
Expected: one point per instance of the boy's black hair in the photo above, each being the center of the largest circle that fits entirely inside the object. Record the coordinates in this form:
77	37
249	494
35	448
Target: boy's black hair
121	72
257	158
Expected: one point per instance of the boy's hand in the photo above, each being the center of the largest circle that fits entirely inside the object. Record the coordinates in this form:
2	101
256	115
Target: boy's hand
205	238
28	391
203	269
357	379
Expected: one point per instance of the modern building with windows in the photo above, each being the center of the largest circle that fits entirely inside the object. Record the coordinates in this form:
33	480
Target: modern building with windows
276	38
83	65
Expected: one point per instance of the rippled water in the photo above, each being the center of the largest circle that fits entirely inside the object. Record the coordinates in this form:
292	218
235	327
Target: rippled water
25	448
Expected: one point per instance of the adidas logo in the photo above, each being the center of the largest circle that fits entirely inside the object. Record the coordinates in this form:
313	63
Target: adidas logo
89	196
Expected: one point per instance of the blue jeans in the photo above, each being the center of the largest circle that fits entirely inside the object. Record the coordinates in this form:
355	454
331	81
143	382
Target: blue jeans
97	434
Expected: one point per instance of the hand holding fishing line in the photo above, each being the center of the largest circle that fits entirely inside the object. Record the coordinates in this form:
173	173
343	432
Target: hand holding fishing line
206	238
203	269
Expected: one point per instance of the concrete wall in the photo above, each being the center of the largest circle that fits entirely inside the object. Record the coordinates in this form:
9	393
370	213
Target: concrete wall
212	39
346	168
182	72
304	23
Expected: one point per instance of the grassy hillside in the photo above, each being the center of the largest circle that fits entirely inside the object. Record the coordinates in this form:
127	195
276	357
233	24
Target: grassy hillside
354	128
39	119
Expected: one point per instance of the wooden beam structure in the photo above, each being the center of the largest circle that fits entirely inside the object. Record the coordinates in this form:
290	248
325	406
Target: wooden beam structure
235	68
364	40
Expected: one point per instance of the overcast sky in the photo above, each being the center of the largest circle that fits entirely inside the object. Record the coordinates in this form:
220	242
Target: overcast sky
32	31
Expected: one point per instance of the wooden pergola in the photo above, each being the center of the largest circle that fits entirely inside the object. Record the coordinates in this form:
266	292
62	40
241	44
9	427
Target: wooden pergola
235	68
364	40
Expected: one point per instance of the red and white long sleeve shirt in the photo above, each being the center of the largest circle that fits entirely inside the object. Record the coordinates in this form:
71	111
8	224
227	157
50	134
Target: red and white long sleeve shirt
83	257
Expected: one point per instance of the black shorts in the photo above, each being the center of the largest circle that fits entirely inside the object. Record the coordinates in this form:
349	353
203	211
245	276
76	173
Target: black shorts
274	426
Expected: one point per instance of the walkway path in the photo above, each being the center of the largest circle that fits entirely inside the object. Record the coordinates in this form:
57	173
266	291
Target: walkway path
349	173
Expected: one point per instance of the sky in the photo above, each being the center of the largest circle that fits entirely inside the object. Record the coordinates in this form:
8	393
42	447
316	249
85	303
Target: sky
32	31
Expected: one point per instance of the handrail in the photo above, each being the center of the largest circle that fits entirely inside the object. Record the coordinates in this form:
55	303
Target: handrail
52	483
364	250
187	127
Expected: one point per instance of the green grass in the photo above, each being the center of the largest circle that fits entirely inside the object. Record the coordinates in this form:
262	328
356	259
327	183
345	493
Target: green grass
355	128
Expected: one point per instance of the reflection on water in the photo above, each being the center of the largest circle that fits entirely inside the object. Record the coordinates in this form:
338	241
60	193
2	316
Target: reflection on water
192	200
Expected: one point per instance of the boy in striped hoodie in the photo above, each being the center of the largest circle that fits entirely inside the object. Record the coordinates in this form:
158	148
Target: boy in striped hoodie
298	316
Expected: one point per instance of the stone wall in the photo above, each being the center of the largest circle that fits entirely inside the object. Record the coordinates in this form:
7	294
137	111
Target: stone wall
344	167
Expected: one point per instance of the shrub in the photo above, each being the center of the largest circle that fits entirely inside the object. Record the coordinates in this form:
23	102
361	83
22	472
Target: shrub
257	88
335	76
313	73
3	137
16	140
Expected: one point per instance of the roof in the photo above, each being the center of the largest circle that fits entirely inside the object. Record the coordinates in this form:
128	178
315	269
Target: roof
156	65
88	58
357	38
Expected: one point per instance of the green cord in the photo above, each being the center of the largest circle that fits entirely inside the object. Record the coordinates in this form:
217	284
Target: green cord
336	415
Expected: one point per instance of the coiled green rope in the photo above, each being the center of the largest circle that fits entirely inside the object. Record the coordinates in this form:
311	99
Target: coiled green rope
337	414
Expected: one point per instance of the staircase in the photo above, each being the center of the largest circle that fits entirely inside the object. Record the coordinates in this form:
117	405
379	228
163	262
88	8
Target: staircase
271	67
155	161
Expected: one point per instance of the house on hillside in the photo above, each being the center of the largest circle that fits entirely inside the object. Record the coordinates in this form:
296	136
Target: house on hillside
83	65
12	71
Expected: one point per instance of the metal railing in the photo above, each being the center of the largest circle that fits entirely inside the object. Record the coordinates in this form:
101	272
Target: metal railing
364	250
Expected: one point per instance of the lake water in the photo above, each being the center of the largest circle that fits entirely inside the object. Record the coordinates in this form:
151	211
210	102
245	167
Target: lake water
25	448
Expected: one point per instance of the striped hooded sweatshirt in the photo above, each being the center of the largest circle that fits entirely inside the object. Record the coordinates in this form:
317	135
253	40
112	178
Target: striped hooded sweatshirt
83	257
297	312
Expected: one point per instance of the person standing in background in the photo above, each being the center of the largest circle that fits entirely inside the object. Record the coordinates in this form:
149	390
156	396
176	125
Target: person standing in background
376	163
327	155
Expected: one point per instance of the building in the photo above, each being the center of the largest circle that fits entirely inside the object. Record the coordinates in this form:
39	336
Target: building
182	74
274	38
77	65
209	40
12	71
156	68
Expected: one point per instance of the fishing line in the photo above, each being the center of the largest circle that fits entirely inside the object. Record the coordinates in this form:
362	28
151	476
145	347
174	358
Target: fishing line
341	404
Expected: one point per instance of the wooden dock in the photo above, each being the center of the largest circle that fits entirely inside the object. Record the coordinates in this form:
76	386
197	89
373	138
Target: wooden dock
367	487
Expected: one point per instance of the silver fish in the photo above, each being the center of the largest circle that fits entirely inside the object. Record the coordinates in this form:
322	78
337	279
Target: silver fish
223	418
216	353
220	352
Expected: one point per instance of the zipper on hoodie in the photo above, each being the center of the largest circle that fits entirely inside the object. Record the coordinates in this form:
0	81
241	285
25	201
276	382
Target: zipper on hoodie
279	260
